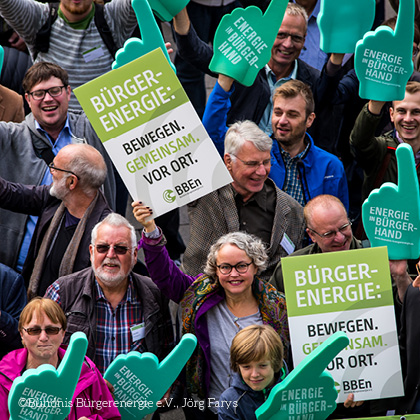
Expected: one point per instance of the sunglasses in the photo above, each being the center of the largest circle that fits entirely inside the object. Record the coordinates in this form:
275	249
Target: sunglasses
118	249
48	330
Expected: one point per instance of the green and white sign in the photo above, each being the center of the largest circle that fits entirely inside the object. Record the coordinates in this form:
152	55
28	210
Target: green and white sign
46	393
391	214
139	380
153	134
383	58
347	291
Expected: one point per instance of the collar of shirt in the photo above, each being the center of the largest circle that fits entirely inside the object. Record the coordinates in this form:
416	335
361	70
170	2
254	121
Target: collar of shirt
130	295
272	79
259	197
401	141
287	156
63	139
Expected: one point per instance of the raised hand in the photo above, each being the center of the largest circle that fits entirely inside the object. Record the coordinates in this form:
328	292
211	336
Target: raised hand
308	384
47	392
383	59
243	41
391	214
150	34
140	377
342	23
166	9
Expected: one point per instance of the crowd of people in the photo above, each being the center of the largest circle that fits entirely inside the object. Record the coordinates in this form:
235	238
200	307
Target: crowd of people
303	151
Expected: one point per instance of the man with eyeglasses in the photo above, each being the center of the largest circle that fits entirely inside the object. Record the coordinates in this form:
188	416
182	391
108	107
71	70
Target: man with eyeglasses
68	209
329	228
252	203
118	310
27	148
255	102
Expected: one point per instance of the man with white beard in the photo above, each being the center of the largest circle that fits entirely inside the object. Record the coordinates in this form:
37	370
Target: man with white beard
68	210
118	310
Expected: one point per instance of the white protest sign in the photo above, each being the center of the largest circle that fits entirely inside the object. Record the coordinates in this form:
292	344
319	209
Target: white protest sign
153	134
347	291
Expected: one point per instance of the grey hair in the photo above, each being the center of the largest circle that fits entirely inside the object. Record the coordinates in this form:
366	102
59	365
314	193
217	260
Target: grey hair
294	9
116	220
89	165
253	247
243	131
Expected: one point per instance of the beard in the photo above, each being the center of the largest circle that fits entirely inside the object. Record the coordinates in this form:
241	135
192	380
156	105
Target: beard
59	189
110	279
76	9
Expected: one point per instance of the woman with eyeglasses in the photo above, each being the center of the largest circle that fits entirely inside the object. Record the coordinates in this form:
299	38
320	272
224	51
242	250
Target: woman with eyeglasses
42	325
214	305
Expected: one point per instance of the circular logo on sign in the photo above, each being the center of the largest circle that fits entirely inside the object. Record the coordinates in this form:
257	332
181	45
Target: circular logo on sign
169	196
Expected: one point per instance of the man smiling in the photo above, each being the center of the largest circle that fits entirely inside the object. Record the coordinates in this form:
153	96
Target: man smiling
376	155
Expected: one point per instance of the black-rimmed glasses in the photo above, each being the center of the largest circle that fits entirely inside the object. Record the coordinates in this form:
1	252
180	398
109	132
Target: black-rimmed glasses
54	168
38	95
241	267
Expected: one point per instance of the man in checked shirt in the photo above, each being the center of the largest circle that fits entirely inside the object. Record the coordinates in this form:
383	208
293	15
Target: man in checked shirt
118	310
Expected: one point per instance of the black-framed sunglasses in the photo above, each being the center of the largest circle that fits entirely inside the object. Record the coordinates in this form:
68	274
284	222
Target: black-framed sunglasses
39	95
241	267
118	249
37	330
54	168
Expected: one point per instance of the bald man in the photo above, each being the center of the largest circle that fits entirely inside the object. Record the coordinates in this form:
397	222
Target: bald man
68	209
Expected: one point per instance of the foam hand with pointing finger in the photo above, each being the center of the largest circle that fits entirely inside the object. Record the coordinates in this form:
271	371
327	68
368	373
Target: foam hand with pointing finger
342	23
243	41
309	383
383	59
166	9
150	34
1	58
140	377
391	214
46	392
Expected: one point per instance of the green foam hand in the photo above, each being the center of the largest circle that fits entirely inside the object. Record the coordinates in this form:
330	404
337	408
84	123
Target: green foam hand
151	37
1	58
166	9
243	41
391	214
45	392
141	381
342	23
383	59
308	386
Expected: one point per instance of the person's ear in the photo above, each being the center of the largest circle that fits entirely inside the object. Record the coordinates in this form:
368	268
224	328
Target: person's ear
311	235
310	119
228	161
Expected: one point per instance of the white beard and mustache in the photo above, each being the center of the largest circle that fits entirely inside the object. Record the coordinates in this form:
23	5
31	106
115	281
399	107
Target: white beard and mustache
59	188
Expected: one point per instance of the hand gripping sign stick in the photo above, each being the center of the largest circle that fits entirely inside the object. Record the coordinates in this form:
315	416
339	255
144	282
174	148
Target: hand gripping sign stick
308	385
383	59
243	41
46	392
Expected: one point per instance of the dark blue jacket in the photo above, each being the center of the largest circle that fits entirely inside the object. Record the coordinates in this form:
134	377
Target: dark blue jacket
12	301
320	172
239	402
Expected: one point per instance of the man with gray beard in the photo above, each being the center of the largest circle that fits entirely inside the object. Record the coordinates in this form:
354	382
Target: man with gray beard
118	310
68	210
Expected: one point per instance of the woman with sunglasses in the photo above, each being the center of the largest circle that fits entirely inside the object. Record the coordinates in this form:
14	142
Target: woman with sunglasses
214	306
42	326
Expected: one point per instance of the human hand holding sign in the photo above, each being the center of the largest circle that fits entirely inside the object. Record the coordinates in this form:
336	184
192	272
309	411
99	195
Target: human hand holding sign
308	382
150	34
46	392
140	377
342	23
391	214
243	41
166	9
383	59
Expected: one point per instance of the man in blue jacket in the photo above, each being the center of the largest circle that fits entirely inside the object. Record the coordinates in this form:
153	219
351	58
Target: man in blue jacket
298	167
